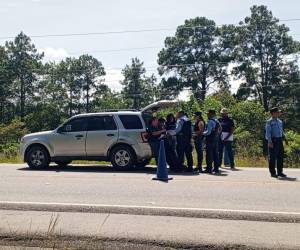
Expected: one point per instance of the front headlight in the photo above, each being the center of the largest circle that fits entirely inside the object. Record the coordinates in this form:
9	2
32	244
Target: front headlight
21	140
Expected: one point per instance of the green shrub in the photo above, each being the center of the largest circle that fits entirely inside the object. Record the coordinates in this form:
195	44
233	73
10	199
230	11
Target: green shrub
292	150
246	145
12	132
9	150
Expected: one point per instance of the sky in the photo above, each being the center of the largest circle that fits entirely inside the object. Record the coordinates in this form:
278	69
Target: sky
44	17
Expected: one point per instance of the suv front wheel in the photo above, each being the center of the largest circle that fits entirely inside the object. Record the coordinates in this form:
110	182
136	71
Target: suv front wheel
122	157
37	157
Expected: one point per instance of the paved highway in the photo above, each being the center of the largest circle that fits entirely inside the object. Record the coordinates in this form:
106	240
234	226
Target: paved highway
243	209
246	189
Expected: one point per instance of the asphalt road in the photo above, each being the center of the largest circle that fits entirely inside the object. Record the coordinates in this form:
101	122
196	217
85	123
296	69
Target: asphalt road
242	209
246	189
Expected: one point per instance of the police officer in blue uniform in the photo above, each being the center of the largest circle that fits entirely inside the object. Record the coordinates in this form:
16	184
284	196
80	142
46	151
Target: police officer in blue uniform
184	137
211	134
275	136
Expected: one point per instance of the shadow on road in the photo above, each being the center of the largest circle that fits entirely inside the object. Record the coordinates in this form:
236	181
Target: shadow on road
95	169
110	169
288	179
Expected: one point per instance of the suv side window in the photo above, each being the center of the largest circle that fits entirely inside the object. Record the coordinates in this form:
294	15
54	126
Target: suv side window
97	123
76	125
131	121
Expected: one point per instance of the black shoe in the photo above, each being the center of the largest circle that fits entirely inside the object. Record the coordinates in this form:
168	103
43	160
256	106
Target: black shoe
282	175
274	175
189	170
207	171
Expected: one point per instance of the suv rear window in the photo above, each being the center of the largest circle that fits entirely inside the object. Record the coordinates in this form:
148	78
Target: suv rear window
101	123
131	121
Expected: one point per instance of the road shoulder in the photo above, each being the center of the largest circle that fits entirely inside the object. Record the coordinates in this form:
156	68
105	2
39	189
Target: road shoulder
155	230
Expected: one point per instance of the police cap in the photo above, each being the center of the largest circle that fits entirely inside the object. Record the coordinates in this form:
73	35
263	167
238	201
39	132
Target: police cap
274	110
211	111
198	113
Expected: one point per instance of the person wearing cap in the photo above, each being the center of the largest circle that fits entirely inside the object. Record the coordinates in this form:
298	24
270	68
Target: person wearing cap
183	133
211	134
154	135
226	137
275	135
199	127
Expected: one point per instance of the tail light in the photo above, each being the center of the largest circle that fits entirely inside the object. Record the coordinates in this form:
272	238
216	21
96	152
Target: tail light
144	136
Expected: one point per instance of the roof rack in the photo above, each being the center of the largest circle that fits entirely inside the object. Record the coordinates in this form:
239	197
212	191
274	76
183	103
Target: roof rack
116	110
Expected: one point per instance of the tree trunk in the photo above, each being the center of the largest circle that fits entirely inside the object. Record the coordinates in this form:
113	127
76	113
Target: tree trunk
87	95
265	100
2	111
263	81
200	93
71	104
135	97
203	90
22	100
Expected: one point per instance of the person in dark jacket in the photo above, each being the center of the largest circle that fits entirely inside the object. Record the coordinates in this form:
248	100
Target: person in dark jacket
161	123
154	136
211	133
199	127
170	144
184	136
170	126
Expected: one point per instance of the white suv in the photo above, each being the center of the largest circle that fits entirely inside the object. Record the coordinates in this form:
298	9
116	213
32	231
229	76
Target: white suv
115	136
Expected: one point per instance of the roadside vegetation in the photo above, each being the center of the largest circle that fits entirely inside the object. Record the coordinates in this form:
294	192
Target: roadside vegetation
201	56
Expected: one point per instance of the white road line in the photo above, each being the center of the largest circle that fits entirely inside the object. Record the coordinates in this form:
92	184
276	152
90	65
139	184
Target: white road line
149	207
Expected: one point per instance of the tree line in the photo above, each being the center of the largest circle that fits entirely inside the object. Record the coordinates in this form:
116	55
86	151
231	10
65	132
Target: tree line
258	52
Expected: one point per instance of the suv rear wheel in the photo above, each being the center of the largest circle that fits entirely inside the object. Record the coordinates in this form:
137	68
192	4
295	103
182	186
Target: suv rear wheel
122	157
37	157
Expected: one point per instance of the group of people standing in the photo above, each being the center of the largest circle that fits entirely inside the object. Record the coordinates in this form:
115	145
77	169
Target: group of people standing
180	136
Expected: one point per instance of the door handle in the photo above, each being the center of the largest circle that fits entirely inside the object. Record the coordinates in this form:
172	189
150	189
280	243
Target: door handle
110	135
78	136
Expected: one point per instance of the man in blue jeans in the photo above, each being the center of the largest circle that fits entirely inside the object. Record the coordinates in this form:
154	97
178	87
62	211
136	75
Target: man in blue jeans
226	137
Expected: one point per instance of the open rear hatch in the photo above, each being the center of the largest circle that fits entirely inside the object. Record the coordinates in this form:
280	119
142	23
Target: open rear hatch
148	111
154	107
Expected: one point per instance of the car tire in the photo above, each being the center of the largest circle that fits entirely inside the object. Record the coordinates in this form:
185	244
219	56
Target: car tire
122	157
62	163
37	157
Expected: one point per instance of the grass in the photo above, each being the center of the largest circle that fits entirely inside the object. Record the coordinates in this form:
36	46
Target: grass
16	159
